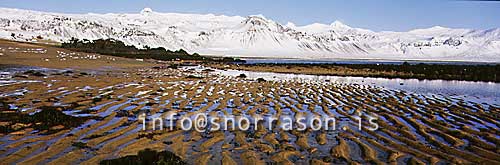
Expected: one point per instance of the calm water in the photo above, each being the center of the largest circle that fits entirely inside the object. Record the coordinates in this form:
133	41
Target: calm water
353	61
480	92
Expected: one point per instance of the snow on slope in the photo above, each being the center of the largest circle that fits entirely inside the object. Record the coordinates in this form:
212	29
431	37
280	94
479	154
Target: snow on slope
253	36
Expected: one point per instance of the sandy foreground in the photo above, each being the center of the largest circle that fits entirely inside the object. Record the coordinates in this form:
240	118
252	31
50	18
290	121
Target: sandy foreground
113	92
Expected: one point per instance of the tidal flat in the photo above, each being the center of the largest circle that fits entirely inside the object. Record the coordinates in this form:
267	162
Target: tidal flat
73	113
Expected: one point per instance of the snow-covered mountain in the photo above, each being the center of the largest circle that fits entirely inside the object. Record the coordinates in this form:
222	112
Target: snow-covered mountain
253	36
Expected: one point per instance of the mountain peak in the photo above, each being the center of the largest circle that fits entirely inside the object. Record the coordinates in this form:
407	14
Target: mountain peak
258	16
438	27
340	25
146	11
434	29
257	20
291	25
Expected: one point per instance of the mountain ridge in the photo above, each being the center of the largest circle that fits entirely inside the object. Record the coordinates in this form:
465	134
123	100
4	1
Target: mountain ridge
254	36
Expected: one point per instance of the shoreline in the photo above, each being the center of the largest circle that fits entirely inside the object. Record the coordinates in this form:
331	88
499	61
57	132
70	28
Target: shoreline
344	70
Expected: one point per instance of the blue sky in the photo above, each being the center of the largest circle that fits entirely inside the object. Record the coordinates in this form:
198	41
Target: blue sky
378	15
